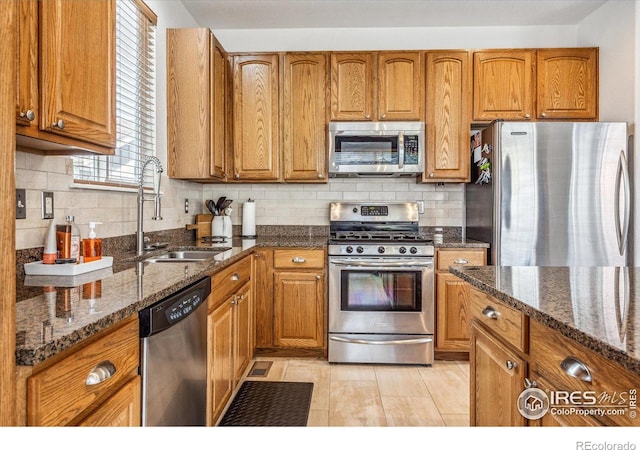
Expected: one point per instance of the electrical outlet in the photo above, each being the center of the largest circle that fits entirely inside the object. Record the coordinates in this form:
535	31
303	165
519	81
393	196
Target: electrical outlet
47	205
21	204
420	206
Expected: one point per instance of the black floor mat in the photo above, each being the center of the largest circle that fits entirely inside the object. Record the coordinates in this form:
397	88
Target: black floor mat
269	404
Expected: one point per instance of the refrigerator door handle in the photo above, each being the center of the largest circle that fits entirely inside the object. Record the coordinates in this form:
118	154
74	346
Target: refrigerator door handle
622	176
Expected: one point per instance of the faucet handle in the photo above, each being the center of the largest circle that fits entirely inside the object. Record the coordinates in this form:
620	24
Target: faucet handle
146	240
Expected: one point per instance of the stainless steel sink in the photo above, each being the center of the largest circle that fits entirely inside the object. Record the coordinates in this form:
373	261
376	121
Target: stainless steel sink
184	256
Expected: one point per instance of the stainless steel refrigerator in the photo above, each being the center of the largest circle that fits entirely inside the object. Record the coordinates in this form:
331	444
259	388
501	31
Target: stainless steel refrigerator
552	194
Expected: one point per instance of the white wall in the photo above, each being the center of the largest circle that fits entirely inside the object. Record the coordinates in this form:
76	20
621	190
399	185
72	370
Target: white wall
294	39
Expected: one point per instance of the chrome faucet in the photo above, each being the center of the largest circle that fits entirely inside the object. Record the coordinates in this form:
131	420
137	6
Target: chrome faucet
142	199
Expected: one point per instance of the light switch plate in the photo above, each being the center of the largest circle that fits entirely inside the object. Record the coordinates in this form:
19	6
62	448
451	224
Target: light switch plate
47	205
21	204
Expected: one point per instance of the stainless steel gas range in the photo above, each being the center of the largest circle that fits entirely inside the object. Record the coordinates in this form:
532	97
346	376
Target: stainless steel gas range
381	306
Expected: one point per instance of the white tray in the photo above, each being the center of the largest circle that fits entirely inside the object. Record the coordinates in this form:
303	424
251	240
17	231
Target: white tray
38	268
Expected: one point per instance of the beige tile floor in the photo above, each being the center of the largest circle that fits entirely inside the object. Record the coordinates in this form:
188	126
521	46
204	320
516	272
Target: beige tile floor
347	395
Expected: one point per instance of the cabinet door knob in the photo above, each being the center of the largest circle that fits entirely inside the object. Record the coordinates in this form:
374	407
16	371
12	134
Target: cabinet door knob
367	116
320	175
431	175
527	116
490	313
58	124
235	277
29	115
511	365
318	277
383	116
100	373
575	368
543	115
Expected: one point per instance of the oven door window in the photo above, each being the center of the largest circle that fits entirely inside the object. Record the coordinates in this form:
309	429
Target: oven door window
366	150
381	290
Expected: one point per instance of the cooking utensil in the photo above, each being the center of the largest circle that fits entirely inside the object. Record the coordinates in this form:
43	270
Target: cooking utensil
219	203
225	205
211	207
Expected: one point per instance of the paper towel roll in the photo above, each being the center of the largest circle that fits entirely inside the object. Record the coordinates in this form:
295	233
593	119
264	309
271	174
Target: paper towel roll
249	219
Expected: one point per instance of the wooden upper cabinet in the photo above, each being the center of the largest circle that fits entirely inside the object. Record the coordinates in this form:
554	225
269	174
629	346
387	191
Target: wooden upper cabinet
352	86
305	116
77	70
196	80
448	111
503	84
377	86
256	122
400	86
567	83
27	109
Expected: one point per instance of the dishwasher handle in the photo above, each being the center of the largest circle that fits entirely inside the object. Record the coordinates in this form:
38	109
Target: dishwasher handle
174	308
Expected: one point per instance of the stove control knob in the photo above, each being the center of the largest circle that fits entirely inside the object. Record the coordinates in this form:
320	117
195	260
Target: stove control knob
413	250
381	249
359	249
349	249
355	210
402	250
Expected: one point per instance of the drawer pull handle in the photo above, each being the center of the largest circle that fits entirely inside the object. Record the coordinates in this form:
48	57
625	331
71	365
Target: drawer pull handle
490	313
576	368
461	261
511	365
100	373
235	277
299	260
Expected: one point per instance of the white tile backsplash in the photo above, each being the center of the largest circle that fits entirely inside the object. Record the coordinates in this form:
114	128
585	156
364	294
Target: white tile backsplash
276	204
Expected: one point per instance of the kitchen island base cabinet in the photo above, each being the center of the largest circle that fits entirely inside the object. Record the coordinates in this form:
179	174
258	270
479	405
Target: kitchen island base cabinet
497	379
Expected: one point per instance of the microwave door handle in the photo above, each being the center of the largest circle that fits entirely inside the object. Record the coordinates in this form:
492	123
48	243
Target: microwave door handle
401	150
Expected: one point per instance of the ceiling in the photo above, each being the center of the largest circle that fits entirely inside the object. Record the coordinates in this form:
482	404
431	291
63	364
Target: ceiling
247	14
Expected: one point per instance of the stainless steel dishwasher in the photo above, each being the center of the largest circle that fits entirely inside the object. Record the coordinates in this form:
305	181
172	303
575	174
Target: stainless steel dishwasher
173	334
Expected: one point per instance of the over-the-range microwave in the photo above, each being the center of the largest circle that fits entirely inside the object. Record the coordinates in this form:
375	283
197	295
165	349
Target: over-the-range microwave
376	149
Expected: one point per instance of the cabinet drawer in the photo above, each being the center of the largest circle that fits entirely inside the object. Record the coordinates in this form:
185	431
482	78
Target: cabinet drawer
503	321
59	393
449	257
549	349
228	280
298	259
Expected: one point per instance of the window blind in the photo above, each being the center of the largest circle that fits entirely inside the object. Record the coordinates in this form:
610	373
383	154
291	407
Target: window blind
135	103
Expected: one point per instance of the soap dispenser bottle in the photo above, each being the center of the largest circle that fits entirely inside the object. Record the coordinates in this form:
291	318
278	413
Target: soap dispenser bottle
92	246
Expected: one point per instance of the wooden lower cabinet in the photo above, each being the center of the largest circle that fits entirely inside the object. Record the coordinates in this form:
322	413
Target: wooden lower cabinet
230	333
299	309
123	409
452	297
497	379
290	295
243	331
58	394
220	359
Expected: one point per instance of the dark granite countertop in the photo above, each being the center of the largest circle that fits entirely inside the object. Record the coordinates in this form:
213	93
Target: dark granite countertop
56	313
599	307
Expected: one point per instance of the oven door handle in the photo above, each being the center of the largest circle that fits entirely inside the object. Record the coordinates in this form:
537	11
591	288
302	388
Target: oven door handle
404	264
424	340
